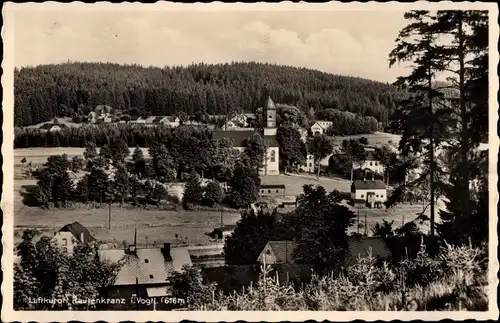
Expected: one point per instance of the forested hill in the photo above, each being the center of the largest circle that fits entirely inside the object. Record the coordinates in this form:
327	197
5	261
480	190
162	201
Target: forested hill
46	91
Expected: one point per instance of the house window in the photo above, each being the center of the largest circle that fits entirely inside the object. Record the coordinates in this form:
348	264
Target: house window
151	276
146	261
376	195
273	156
362	195
371	164
65	242
262	191
269	191
277	191
270	116
310	164
376	163
381	195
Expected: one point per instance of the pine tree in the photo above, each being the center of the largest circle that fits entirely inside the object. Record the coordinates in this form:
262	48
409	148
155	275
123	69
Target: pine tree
419	118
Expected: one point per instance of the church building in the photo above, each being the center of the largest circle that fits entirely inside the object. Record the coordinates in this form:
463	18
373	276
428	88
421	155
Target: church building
271	160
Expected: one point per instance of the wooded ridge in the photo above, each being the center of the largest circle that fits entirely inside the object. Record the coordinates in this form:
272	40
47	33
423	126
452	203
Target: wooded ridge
46	91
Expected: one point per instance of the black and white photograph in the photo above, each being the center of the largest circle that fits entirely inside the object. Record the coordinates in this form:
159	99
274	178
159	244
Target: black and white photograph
209	161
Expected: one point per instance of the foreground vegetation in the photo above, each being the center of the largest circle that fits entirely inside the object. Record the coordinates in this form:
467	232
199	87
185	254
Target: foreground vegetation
453	280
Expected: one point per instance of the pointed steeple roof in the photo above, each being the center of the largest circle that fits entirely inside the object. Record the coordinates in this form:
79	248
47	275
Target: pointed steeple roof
270	104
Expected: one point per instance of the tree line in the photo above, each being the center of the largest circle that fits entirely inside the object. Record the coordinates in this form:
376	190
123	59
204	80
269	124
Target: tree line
453	42
46	91
183	154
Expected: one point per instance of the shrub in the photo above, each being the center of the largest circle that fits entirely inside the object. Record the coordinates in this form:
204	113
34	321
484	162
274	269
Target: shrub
454	280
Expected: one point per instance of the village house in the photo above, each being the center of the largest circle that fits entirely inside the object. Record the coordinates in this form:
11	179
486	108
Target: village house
72	235
170	121
370	163
272	190
271	158
282	252
371	192
320	127
145	273
309	165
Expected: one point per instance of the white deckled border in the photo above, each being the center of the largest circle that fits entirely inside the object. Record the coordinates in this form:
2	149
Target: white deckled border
113	316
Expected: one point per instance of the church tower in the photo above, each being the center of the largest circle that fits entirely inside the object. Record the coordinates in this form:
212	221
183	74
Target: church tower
270	118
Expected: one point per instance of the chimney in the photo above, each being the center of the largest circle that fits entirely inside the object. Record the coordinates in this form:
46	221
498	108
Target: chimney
166	251
82	240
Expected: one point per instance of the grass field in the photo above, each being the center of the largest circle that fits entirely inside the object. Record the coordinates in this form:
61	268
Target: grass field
163	226
155	224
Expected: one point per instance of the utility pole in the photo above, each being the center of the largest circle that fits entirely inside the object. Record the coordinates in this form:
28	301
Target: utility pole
358	221
221	216
366	225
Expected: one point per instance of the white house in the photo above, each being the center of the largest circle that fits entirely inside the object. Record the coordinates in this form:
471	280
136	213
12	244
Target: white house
309	166
371	191
271	160
170	121
320	126
71	235
370	163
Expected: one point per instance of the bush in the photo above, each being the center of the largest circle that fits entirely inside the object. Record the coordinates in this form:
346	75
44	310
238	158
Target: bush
454	280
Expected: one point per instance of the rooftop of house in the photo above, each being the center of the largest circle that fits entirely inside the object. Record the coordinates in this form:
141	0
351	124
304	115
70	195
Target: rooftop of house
147	265
77	229
367	185
282	250
363	246
239	137
357	246
48	126
271	186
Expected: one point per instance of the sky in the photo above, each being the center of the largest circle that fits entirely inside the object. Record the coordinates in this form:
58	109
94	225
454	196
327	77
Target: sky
354	43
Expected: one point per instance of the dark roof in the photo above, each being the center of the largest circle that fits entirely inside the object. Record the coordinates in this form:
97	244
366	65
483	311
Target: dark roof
283	250
238	137
273	186
77	229
367	185
363	245
270	104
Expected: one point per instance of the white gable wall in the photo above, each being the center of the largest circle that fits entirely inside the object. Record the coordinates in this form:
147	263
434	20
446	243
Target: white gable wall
66	240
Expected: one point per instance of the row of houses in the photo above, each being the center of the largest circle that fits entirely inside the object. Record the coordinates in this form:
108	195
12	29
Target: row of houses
146	272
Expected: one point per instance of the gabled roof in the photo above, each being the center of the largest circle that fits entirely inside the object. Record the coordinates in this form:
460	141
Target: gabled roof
356	246
367	185
363	245
239	137
282	250
77	229
148	265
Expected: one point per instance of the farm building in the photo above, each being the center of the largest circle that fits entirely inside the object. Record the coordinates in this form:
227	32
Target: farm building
272	190
271	160
371	192
71	235
145	273
320	127
281	252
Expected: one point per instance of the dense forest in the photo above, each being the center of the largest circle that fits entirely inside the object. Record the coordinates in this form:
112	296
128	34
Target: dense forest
46	91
